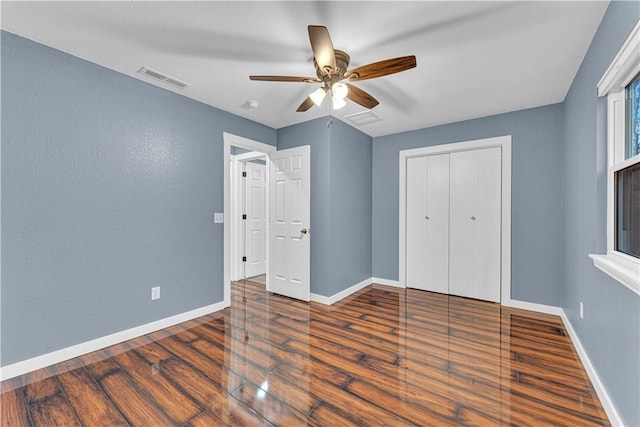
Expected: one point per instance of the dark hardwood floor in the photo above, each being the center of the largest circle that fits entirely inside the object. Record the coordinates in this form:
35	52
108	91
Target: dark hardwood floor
383	356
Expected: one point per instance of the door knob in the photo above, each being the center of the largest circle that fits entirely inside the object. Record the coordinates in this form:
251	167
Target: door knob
304	231
426	217
473	218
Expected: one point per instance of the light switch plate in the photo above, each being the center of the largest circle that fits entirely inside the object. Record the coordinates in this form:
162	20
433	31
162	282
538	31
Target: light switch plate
218	217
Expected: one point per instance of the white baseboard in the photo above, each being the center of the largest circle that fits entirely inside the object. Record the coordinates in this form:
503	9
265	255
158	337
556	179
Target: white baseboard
387	282
532	306
605	399
39	362
340	295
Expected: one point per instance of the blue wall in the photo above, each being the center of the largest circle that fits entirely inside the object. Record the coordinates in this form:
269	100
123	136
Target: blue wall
536	244
340	201
610	330
109	186
351	201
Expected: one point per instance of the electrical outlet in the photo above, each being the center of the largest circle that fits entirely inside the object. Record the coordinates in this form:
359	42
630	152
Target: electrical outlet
581	310
155	293
218	217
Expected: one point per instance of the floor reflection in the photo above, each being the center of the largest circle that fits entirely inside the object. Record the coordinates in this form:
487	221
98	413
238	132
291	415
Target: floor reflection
382	356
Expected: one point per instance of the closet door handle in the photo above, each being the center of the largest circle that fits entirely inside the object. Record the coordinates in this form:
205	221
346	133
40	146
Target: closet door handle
473	218
426	217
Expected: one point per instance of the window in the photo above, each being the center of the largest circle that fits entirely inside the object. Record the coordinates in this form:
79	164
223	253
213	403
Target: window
621	85
627	183
632	118
627	180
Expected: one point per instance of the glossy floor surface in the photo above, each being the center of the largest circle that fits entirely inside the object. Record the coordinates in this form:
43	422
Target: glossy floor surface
383	356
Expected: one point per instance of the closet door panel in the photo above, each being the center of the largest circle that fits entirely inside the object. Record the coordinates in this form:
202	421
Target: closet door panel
416	274
487	226
437	221
461	237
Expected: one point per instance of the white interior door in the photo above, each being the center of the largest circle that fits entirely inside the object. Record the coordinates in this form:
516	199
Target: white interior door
256	222
475	236
289	219
428	222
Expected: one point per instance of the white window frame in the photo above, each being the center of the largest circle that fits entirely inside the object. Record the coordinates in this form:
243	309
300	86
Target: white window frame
624	67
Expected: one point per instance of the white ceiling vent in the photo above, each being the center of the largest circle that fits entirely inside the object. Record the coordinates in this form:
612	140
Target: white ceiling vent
156	75
363	118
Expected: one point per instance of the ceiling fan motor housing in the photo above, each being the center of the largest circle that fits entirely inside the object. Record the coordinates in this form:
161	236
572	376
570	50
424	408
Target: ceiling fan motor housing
342	63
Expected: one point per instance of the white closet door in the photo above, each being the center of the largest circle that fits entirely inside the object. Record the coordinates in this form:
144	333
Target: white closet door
475	191
428	219
416	273
488	224
437	219
461	250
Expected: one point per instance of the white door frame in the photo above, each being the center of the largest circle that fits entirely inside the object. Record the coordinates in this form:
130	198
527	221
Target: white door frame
504	142
237	205
249	144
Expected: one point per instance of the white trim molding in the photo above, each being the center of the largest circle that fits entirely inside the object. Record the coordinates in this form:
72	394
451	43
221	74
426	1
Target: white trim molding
504	142
624	66
620	268
601	391
531	306
39	362
387	282
340	295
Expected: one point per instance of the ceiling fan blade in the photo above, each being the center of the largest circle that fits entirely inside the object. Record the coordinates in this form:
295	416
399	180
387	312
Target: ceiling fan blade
306	104
361	97
322	48
382	68
286	79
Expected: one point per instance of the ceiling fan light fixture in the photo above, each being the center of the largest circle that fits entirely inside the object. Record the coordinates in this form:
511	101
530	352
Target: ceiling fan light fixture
338	103
318	95
339	91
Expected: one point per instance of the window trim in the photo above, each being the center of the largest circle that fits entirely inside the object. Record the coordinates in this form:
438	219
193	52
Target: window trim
624	67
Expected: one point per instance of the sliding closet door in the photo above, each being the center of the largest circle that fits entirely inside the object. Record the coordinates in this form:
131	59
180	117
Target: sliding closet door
475	227
428	223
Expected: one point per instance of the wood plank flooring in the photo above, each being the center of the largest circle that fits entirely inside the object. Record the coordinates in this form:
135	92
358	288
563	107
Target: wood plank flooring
382	356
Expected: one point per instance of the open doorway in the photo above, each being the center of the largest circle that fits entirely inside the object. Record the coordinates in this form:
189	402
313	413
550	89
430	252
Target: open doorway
248	218
241	236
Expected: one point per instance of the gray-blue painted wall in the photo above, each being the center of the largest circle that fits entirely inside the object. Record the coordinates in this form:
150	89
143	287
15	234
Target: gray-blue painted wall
610	330
109	186
536	243
340	201
351	204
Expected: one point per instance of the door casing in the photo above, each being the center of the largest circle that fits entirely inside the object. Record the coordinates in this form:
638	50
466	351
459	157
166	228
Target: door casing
249	144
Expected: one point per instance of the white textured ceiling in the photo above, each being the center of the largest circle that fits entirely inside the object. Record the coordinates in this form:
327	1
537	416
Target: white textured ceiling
474	58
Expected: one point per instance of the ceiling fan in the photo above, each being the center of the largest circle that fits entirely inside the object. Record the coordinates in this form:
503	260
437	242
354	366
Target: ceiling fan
331	69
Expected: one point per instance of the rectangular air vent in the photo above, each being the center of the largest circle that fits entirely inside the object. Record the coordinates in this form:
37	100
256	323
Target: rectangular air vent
363	118
156	75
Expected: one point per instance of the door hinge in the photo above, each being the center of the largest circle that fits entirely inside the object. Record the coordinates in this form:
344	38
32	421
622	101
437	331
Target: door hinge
244	216
244	174
244	259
